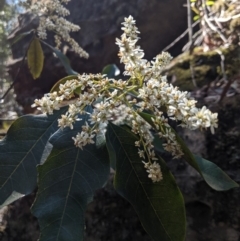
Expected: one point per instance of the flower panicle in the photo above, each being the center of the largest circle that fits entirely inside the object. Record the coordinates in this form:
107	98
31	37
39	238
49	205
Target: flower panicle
111	101
52	17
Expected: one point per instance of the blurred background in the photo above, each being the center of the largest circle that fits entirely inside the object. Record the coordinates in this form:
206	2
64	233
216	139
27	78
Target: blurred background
203	37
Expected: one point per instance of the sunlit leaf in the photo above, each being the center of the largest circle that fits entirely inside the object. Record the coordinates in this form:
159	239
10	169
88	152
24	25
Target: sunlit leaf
209	3
214	176
195	18
111	71
35	58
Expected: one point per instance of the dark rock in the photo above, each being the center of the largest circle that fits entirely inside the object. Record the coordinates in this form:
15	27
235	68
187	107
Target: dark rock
159	21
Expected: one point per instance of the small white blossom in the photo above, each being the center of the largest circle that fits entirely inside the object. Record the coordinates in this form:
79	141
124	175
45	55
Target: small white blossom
83	138
141	153
120	101
51	16
154	171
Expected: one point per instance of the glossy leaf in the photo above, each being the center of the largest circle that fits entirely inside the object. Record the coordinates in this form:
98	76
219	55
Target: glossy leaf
196	17
67	181
160	206
111	71
35	58
214	176
62	81
63	58
21	151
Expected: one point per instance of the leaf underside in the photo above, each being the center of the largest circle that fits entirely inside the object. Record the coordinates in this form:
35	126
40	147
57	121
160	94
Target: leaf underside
214	176
111	71
21	151
160	206
67	181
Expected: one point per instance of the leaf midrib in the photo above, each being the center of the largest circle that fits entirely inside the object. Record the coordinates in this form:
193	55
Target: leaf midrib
27	153
68	194
141	186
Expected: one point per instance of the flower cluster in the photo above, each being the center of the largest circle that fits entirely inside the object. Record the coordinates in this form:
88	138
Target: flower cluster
154	171
51	16
125	101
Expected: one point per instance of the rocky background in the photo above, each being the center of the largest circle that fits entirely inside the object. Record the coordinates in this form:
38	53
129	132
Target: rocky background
211	215
159	22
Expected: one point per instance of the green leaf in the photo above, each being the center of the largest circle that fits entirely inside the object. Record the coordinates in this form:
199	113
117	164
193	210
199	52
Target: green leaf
111	71
158	144
20	36
214	176
112	154
210	3
67	181
211	173
63	58
62	81
196	17
160	206
35	58
21	151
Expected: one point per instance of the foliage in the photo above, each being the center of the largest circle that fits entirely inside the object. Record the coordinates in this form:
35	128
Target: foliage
92	122
35	58
51	16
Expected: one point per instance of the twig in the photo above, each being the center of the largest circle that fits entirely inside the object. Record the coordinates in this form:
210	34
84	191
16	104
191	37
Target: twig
222	63
180	37
189	18
190	36
211	26
226	88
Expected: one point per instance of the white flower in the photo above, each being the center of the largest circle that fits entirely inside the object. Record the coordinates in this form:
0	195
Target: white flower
82	139
120	101
51	16
141	153
154	171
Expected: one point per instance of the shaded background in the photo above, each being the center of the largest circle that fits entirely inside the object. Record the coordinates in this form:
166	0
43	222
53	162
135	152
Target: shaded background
211	215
